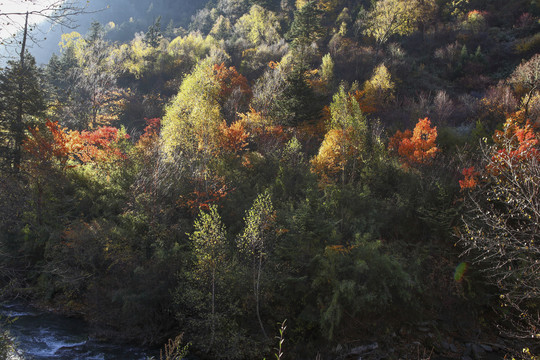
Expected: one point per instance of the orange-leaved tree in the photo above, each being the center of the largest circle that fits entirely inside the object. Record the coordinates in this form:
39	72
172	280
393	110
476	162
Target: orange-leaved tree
47	144
418	146
263	133
234	138
470	178
235	93
98	146
54	143
150	135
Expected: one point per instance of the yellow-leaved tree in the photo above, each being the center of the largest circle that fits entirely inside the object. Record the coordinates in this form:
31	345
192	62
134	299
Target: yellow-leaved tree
341	149
379	88
192	120
392	17
258	26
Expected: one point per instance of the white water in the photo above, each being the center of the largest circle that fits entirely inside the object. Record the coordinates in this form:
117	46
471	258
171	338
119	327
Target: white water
42	336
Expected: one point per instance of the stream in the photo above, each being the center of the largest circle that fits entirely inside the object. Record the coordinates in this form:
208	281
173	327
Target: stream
41	335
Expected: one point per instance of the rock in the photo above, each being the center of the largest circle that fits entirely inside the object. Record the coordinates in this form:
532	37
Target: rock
496	347
478	352
404	331
468	349
486	347
363	349
465	357
445	345
453	348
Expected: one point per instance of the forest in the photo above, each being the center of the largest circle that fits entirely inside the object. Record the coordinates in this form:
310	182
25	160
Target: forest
308	179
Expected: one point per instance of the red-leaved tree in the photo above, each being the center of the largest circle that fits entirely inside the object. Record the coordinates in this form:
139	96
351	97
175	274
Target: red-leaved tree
501	226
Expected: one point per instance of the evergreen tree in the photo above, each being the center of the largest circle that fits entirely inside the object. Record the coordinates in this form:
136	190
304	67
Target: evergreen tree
305	29
21	98
296	104
153	36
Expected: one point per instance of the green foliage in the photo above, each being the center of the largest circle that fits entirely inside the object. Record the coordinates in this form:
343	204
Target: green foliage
208	239
192	119
345	146
254	240
95	97
345	113
222	28
327	69
7	349
21	102
316	222
305	28
296	103
192	47
529	44
380	87
258	26
153	36
358	279
173	350
391	17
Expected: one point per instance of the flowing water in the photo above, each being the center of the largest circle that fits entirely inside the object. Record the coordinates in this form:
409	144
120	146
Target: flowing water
41	335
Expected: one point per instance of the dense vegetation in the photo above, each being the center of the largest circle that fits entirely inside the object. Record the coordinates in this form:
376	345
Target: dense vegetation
359	168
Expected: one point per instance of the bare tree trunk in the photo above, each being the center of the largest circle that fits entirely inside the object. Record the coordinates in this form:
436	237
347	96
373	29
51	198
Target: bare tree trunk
213	324
256	289
18	125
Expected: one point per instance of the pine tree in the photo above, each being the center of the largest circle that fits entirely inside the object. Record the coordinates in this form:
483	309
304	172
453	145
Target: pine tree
153	36
21	97
296	104
305	28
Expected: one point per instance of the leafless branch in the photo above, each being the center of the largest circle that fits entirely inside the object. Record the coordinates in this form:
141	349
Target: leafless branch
55	13
501	230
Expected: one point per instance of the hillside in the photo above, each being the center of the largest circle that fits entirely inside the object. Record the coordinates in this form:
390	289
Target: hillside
365	170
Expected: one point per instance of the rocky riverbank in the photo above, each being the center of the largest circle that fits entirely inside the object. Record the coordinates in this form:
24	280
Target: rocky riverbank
430	341
42	335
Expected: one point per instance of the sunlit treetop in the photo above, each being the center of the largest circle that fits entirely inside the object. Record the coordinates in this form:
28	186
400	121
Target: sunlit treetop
392	17
192	120
418	146
258	26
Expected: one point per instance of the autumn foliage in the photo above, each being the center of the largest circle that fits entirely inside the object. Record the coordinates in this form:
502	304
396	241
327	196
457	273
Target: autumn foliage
96	146
264	135
333	155
206	192
470	178
51	143
234	87
418	146
366	104
56	143
233	138
150	134
518	142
